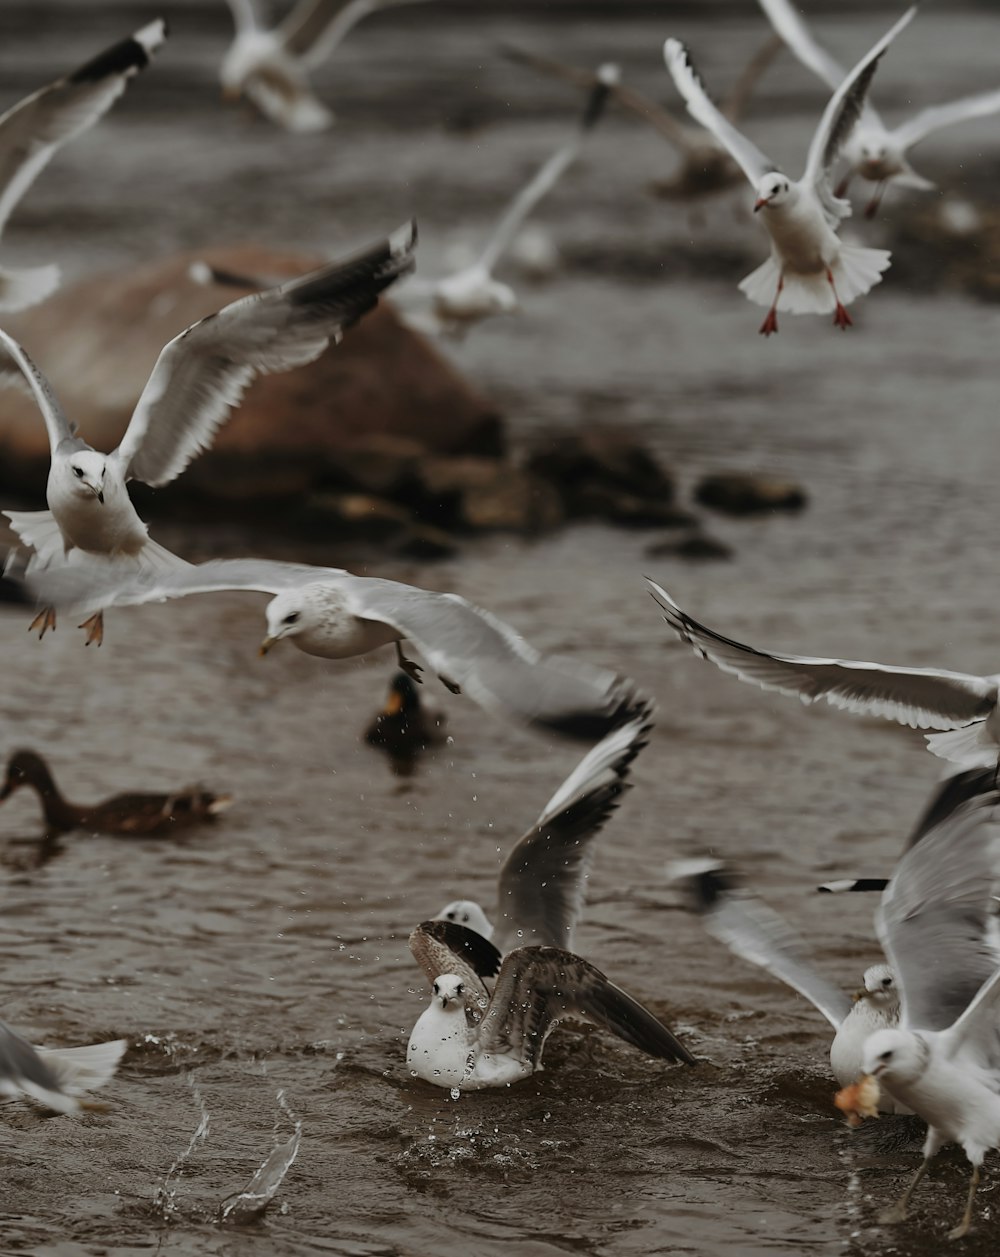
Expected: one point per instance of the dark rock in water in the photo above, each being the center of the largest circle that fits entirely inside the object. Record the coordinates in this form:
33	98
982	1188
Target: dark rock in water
695	546
380	463
98	340
483	494
580	462
618	506
743	493
424	541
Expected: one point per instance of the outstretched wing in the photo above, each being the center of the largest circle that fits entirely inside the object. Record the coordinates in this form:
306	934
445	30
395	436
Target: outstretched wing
924	698
57	425
314	28
34	130
756	934
937	117
840	117
551	172
95	585
935	919
538	986
203	373
541	885
483	656
786	21
746	154
445	947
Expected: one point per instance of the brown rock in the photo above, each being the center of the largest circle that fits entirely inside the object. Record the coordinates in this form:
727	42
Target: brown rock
599	461
694	545
353	517
484	494
743	493
424	541
98	340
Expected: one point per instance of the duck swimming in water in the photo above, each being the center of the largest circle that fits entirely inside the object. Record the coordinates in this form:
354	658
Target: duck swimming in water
404	728
135	815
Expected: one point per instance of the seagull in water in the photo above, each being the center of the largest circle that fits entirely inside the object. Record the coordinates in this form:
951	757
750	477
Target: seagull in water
56	1077
540	887
199	377
453	304
272	68
32	132
328	612
874	151
810	271
923	698
937	926
467	1039
756	934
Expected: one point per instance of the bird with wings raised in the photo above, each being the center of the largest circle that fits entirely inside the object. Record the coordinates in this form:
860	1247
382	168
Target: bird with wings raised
34	130
199	377
272	67
810	270
874	151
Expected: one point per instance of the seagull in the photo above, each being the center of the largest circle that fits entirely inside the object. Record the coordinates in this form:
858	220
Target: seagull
56	1077
464	1039
451	305
961	703
874	151
272	67
705	166
198	378
756	934
541	885
937	927
330	613
809	271
34	130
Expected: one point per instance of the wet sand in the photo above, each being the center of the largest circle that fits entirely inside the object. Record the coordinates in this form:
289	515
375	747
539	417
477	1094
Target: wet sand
267	954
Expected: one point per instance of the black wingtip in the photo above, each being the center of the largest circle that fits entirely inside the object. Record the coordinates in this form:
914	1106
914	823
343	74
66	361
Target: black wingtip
864	885
127	56
477	951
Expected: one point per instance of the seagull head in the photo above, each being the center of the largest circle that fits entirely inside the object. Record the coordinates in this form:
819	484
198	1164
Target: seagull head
773	190
895	1056
880	989
449	991
468	913
287	614
84	471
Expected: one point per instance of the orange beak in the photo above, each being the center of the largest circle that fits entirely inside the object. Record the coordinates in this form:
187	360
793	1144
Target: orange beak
760	203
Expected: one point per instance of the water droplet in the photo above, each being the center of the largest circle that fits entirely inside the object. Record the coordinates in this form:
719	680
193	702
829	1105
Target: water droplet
456	1093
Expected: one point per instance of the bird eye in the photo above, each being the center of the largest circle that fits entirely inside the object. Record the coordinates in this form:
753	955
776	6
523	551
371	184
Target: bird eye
465	918
437	989
292	618
78	472
887	981
450	916
886	1055
459	989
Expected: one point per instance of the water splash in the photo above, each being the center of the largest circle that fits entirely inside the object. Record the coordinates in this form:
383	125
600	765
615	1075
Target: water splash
251	1202
165	1196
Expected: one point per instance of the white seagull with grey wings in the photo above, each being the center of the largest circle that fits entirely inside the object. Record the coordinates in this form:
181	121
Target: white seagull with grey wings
199	377
874	151
33	131
923	698
810	271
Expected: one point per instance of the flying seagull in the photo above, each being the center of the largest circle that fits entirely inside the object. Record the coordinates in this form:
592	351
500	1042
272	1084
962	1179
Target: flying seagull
757	935
332	614
705	166
455	302
540	888
810	271
937	925
32	132
199	377
272	67
56	1077
874	151
924	698
463	1039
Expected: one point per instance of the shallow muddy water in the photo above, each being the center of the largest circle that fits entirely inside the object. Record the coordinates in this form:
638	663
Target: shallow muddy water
265	956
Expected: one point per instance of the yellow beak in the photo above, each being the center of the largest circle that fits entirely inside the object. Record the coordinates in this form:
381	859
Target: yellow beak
265	646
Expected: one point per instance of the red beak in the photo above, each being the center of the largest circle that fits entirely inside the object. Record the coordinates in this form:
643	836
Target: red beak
763	200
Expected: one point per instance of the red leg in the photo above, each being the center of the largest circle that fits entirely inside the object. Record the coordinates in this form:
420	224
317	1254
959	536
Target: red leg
841	318
871	209
770	323
843	185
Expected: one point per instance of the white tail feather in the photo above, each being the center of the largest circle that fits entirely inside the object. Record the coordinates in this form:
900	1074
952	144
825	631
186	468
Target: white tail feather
854	273
83	1069
972	746
21	289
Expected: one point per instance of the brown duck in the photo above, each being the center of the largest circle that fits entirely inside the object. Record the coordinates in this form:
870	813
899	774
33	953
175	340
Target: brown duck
404	728
129	814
